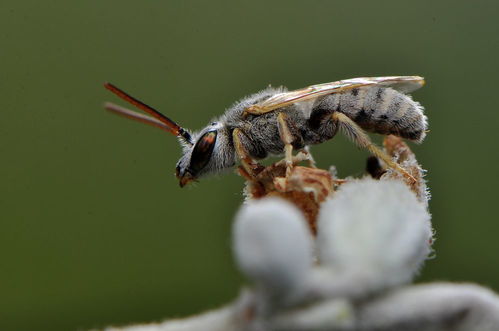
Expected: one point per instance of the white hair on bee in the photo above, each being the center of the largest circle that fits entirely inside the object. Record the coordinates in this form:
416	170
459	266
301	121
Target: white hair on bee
234	112
376	232
273	246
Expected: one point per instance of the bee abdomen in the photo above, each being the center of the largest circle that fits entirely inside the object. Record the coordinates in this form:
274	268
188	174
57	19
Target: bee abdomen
382	110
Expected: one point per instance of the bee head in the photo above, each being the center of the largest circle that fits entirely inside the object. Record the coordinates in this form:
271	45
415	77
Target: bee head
210	153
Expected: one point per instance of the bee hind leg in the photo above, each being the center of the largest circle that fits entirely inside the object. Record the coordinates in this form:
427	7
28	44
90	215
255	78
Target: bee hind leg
358	136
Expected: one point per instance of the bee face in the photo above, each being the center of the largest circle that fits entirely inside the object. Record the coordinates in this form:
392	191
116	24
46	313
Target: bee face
192	165
210	153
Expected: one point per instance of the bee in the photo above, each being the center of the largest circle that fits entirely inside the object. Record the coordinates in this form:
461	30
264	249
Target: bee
276	121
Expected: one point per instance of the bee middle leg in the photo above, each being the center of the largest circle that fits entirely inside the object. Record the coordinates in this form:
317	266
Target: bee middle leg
287	139
310	158
355	133
293	139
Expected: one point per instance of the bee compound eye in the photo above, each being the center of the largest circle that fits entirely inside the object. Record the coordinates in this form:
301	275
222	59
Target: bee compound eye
202	151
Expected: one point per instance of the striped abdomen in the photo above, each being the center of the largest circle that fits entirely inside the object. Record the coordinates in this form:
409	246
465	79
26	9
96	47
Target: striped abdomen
381	110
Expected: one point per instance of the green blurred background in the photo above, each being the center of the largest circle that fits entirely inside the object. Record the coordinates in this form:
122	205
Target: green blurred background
94	228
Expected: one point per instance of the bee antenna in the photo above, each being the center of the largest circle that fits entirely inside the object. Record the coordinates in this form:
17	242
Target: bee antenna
185	136
167	124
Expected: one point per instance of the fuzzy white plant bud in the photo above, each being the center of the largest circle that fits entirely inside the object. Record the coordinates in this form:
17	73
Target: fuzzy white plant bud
223	319
432	307
373	234
273	246
332	314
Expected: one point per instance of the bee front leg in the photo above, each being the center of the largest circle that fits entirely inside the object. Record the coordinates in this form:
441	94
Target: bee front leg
250	167
287	139
358	136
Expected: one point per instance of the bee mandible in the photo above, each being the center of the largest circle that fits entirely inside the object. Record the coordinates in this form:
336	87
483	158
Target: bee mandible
276	121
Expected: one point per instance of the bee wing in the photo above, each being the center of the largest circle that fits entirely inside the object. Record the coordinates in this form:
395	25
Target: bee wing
404	84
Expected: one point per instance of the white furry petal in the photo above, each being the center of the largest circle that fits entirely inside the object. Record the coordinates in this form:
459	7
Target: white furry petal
273	246
374	233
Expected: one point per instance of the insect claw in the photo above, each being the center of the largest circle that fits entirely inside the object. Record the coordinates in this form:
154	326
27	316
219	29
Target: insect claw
406	174
411	178
243	173
257	168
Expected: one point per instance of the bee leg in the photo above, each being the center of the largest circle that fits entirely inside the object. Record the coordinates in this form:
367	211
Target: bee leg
355	133
256	110
310	158
243	173
249	165
287	139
